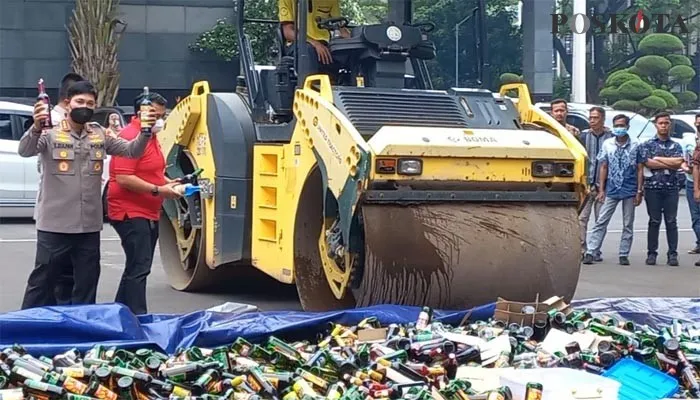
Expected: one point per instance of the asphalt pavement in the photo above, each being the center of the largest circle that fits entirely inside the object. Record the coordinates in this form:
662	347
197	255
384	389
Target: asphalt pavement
606	279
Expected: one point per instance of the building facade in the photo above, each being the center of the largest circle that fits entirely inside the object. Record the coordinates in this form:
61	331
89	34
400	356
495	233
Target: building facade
154	48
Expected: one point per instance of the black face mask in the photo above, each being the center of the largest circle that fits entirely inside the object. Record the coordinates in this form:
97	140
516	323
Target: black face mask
81	115
697	127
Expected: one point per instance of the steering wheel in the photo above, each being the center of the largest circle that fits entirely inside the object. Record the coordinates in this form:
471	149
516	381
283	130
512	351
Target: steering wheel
332	24
425	27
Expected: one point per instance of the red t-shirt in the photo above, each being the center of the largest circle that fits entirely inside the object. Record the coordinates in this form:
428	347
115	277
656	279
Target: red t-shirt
150	167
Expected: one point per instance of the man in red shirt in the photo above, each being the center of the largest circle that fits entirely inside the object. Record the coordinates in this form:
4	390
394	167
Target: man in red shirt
134	198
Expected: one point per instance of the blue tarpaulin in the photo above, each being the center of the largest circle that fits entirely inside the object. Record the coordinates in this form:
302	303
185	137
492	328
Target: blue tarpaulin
52	330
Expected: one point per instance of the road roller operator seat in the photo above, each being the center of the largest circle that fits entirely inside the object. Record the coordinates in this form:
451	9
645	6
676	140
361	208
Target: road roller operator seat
379	52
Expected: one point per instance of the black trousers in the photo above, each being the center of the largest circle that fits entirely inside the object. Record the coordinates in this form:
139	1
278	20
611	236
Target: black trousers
662	203
64	286
53	252
139	237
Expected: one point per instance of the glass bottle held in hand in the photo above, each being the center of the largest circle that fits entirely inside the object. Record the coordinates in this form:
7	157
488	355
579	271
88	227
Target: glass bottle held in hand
44	98
145	108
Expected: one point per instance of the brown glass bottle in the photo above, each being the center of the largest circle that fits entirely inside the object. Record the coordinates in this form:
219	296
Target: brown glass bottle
145	108
44	98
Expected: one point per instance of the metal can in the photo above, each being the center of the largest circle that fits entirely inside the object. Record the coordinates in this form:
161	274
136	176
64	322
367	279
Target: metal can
533	391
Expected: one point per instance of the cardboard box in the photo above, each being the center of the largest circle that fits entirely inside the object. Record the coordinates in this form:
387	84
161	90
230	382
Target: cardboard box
511	312
371	335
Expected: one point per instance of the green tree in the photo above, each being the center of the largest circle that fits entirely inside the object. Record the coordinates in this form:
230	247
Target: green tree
624	50
509	77
222	39
645	86
94	34
504	40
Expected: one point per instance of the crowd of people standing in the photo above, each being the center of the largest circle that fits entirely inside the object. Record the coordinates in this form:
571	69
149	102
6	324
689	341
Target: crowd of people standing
622	170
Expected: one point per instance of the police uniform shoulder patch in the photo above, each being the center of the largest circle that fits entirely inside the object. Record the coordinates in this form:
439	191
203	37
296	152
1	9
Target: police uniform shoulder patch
64	127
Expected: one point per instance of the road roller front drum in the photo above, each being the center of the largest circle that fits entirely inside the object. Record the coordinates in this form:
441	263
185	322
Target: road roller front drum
454	256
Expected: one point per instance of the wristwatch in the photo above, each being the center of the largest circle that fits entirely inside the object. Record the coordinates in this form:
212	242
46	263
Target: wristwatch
154	191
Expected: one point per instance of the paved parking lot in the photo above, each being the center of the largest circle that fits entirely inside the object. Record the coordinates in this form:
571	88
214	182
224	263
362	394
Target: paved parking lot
17	246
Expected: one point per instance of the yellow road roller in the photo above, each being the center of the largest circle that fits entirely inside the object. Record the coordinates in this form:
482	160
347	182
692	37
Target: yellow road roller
367	186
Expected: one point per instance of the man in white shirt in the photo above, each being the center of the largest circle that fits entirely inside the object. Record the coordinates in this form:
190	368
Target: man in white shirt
64	287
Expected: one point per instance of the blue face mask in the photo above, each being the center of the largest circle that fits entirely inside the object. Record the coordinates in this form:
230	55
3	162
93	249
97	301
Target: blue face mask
619	131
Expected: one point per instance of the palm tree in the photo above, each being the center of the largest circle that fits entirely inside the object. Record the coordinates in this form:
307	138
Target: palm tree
94	42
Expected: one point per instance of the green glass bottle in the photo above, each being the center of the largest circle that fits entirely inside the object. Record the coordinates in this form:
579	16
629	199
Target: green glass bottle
220	354
125	386
73	396
137	375
45	389
144	108
204	381
242	347
533	391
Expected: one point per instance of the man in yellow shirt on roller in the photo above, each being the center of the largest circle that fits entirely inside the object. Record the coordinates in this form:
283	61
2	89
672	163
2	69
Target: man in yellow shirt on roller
316	37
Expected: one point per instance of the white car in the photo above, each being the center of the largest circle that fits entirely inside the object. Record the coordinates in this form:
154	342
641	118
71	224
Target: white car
19	176
685	121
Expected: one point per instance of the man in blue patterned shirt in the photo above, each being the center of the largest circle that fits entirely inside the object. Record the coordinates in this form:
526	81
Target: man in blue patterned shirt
662	157
620	180
693	205
592	139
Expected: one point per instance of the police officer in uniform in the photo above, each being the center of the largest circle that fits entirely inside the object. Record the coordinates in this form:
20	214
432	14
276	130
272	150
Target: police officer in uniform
69	206
64	286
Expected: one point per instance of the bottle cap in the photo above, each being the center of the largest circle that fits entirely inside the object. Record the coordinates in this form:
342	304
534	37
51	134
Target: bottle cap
125	382
672	345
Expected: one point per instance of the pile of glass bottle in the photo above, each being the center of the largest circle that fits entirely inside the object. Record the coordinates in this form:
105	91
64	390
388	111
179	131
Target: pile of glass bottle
414	361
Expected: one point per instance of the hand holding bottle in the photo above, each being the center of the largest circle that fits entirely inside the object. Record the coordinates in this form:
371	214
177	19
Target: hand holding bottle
44	119
146	112
148	117
41	115
187	189
169	191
